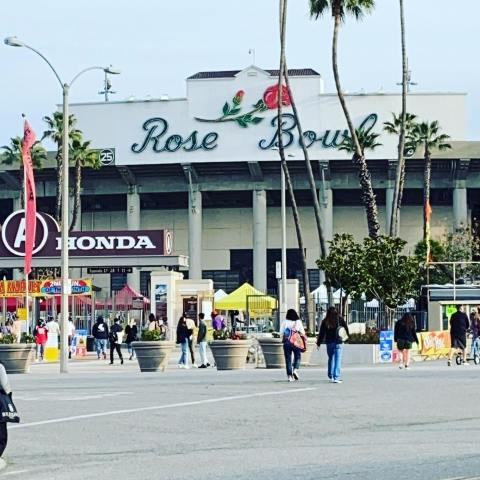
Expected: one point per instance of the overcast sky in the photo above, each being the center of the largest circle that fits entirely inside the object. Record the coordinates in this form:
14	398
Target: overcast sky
158	43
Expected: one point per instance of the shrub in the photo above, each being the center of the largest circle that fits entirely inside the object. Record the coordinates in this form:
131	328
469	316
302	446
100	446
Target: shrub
8	338
370	337
153	336
27	338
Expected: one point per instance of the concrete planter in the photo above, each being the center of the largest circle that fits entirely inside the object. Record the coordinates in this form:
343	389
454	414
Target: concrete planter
272	349
17	357
353	354
153	356
230	354
307	356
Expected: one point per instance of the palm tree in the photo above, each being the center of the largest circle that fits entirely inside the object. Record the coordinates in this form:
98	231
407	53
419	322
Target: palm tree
427	135
83	157
12	154
288	180
402	132
55	133
339	9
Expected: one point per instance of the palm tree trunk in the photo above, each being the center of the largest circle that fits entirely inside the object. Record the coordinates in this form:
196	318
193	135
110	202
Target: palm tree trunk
288	180
368	196
77	199
427	174
400	173
308	165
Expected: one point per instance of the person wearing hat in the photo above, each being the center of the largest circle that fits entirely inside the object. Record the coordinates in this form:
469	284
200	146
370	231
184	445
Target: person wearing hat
115	341
292	323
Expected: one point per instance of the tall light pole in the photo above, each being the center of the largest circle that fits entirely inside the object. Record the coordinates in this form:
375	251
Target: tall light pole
66	284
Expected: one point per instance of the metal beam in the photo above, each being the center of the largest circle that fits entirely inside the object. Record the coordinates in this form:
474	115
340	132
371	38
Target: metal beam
190	172
127	175
461	168
11	180
255	171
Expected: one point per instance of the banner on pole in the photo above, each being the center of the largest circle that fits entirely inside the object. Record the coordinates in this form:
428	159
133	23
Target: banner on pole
43	288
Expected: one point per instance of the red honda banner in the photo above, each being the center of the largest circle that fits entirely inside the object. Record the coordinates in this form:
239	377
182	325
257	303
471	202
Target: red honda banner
29	139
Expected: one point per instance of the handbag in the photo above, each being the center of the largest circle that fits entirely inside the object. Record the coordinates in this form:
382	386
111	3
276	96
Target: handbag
296	339
8	409
341	333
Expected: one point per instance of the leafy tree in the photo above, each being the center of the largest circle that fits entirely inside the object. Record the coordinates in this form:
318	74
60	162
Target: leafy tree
342	266
55	133
12	155
366	139
339	10
83	157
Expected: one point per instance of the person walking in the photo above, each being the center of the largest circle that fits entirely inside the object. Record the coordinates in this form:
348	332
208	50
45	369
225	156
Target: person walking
202	340
291	324
115	340
218	323
53	331
459	324
332	331
182	339
41	336
131	332
5	386
191	327
405	335
100	333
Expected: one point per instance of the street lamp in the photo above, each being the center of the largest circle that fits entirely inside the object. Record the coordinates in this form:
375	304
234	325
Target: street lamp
66	286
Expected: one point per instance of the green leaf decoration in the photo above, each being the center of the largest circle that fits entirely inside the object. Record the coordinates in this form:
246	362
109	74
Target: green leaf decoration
256	120
248	117
242	122
260	104
234	111
236	100
226	109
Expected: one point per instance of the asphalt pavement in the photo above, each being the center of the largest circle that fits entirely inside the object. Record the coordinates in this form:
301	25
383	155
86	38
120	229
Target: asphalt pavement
113	422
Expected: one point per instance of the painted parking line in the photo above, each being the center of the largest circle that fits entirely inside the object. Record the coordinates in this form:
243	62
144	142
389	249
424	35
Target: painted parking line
162	407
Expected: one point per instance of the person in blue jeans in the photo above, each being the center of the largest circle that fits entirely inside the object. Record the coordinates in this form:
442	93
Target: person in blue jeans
100	332
183	334
292	322
329	334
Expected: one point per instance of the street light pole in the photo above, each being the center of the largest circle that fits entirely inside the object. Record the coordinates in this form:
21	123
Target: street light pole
64	229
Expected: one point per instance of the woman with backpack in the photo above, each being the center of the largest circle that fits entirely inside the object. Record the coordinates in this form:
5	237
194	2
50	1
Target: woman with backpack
292	327
334	332
405	335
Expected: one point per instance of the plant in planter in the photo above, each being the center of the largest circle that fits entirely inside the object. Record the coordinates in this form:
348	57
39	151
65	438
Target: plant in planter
272	349
17	357
153	351
230	349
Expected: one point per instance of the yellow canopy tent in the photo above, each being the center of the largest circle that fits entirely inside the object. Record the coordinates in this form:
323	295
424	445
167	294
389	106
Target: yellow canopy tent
258	302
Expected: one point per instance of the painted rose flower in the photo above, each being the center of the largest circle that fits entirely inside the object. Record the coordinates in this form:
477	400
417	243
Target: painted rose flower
270	97
237	99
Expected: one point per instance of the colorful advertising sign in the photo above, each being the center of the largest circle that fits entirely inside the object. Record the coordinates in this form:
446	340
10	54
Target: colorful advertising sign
435	343
42	288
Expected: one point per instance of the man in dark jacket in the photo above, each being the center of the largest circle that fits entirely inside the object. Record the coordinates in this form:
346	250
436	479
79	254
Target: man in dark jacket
202	340
459	324
115	343
100	333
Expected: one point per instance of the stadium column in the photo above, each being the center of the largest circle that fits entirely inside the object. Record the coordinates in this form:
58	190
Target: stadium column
260	239
133	223
460	199
460	208
195	232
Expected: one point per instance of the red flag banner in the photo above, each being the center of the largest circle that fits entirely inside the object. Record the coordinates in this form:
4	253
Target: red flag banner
29	139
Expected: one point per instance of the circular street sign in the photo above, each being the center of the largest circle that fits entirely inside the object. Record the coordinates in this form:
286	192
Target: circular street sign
107	156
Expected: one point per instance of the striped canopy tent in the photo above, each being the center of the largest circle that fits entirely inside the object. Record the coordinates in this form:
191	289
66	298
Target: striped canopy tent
258	302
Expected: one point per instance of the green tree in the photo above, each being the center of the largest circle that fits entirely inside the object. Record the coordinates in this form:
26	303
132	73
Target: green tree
82	157
54	132
341	266
339	10
12	155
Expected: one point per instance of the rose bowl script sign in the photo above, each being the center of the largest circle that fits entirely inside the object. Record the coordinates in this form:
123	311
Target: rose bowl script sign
80	244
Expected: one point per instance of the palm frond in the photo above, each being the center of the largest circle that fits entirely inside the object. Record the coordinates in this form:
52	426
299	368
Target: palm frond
318	8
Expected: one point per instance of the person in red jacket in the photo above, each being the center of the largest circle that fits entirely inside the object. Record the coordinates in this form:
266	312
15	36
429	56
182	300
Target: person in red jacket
41	335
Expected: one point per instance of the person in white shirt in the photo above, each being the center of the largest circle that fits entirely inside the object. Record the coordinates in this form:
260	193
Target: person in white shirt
191	327
292	323
71	334
53	329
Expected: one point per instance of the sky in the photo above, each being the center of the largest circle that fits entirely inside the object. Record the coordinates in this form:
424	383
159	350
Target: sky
158	43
